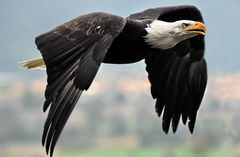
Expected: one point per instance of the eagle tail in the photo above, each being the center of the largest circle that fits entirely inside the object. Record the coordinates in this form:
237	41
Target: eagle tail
33	64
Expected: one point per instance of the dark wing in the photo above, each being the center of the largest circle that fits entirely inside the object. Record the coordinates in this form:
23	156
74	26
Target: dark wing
178	80
178	76
170	14
73	53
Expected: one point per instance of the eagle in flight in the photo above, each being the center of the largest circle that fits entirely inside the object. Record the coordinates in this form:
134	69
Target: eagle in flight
169	39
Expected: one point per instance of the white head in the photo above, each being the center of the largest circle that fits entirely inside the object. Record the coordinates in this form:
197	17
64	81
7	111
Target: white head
165	35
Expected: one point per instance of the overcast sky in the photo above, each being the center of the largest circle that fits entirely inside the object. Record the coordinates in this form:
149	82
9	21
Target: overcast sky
22	20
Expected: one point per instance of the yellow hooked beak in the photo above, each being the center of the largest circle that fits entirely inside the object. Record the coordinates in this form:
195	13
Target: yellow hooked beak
196	28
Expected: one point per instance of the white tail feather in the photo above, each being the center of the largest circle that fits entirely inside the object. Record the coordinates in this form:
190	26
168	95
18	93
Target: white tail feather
37	63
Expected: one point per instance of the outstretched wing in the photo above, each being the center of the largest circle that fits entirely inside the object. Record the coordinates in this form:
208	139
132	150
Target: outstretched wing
170	14
178	80
178	76
73	53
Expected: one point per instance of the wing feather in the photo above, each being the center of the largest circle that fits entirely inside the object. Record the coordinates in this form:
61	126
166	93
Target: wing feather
171	13
178	85
73	53
178	76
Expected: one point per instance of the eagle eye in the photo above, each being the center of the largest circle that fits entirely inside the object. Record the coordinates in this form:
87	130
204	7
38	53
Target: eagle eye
185	25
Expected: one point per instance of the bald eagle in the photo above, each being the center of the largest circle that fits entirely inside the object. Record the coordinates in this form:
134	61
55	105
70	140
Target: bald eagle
169	39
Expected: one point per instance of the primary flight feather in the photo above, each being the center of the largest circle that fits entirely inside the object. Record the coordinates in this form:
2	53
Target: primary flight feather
169	39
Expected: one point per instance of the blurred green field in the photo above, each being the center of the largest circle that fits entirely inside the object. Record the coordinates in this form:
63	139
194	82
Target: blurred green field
161	151
147	152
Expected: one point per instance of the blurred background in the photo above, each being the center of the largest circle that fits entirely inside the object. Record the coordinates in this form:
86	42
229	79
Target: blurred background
116	117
